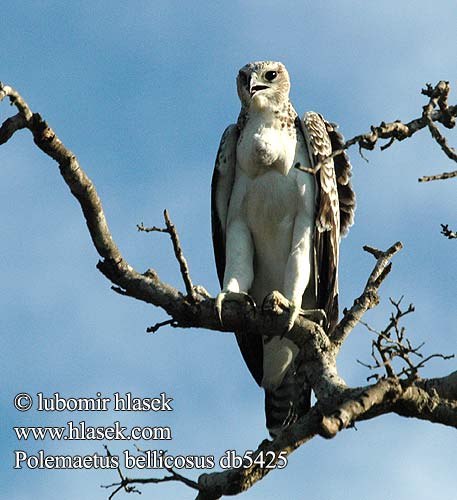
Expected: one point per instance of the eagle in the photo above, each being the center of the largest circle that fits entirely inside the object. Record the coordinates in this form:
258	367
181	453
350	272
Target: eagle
280	205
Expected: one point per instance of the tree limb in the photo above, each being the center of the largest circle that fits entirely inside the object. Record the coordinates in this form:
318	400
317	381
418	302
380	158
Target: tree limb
386	396
171	230
369	297
392	343
127	483
399	131
447	232
438	177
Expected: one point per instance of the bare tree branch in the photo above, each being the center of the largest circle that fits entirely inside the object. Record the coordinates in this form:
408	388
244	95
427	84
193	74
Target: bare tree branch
438	177
439	93
444	387
155	328
369	297
386	396
392	343
16	100
358	405
447	232
123	484
171	230
399	131
127	483
425	406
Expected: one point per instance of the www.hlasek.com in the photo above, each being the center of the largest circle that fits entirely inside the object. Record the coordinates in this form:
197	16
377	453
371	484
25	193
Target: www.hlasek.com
83	432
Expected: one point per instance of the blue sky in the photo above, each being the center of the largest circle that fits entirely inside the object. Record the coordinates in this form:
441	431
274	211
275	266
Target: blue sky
141	92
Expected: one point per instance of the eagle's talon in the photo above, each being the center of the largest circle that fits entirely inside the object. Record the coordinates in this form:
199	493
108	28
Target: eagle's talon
294	312
218	306
240	297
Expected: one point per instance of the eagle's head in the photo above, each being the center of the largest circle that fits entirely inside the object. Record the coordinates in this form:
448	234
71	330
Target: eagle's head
263	84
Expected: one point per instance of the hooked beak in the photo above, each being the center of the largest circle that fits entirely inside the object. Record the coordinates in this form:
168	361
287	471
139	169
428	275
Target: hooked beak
255	87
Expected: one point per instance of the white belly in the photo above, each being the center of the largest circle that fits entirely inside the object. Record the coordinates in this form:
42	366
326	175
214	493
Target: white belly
270	207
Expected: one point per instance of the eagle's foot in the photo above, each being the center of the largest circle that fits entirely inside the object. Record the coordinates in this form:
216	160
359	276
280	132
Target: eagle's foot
240	297
276	303
316	315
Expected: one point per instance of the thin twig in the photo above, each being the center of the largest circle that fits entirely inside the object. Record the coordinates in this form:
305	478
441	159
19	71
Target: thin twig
153	329
184	267
175	475
438	94
126	482
447	232
399	131
369	297
438	177
391	343
16	100
180	257
142	227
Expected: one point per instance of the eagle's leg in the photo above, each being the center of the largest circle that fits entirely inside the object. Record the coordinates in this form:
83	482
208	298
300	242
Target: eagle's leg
240	297
239	272
287	402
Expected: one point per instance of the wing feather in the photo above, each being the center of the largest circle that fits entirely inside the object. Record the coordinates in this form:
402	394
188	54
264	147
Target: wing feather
335	209
343	171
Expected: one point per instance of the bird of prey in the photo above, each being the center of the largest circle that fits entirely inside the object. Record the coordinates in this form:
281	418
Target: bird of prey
277	225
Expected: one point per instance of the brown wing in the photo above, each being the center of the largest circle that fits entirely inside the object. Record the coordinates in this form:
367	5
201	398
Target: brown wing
343	171
333	216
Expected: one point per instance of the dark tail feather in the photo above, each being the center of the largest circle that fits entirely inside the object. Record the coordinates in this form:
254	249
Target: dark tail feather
286	403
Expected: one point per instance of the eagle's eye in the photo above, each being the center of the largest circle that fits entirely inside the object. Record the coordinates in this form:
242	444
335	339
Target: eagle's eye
270	75
243	78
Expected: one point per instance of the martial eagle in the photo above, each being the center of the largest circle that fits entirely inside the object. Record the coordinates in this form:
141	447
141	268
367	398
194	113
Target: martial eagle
277	226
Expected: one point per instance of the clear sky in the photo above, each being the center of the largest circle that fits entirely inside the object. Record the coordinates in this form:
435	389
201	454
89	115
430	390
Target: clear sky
141	92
